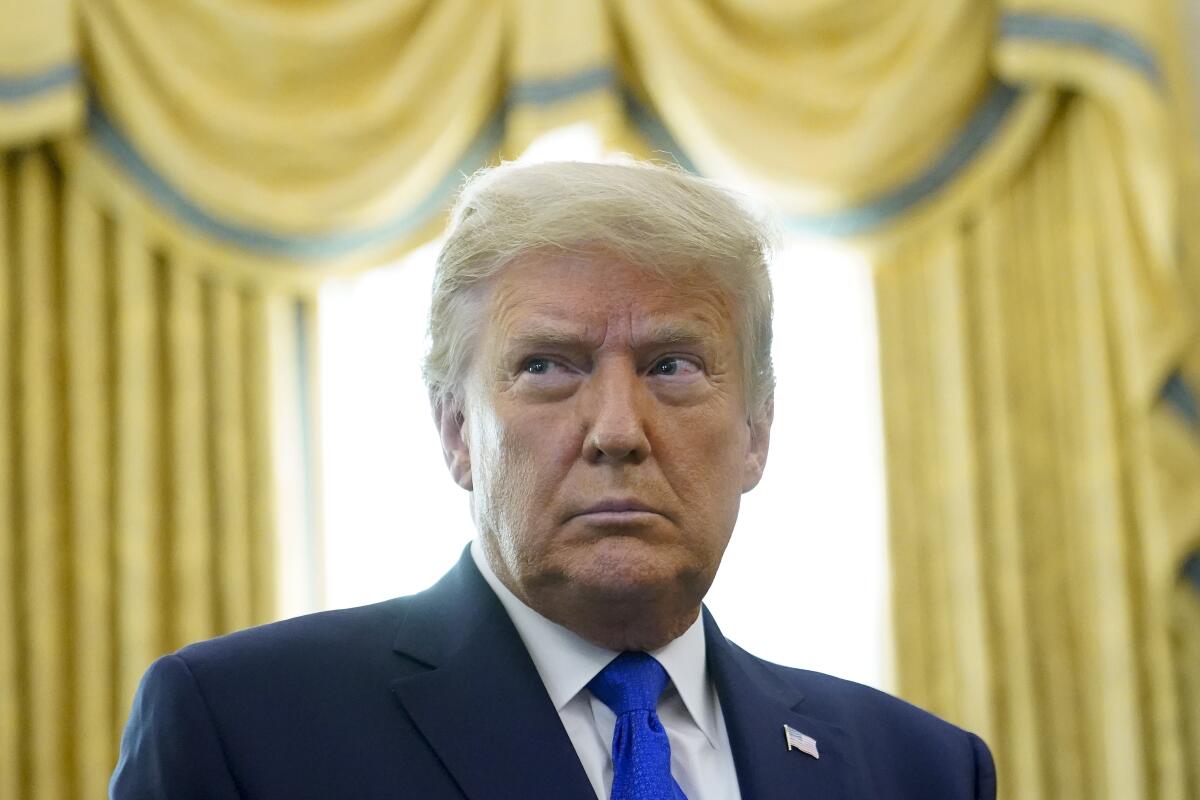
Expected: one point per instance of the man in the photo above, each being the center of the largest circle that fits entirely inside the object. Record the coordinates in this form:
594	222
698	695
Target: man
601	379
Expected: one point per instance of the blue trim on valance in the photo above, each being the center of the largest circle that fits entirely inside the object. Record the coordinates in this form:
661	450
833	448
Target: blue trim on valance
655	133
980	129
298	246
1080	32
1190	571
1176	393
20	88
556	90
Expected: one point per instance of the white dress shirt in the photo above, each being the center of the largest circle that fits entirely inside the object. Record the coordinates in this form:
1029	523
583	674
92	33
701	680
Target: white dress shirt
701	759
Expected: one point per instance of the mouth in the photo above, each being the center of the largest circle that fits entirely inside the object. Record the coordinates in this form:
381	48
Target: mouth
618	510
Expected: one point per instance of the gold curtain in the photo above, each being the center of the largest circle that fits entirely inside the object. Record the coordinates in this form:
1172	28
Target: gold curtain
135	483
178	170
1044	511
1185	639
1037	353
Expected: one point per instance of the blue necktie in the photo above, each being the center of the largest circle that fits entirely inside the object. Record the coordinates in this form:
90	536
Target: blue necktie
630	685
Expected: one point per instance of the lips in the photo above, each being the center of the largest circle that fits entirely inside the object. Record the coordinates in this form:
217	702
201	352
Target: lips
616	506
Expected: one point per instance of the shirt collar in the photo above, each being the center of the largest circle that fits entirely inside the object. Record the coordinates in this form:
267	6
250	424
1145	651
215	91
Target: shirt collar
566	662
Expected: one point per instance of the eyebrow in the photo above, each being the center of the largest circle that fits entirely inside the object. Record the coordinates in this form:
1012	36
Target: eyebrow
664	334
676	333
546	337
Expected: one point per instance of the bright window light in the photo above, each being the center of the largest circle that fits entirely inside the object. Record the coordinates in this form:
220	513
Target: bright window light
804	581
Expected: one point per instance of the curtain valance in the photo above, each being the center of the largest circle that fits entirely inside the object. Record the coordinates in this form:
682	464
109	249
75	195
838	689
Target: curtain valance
40	81
327	133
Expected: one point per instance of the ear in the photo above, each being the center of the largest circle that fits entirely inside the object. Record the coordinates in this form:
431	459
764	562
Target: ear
760	442
449	420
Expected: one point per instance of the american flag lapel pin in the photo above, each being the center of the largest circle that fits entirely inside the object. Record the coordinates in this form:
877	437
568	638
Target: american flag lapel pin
799	741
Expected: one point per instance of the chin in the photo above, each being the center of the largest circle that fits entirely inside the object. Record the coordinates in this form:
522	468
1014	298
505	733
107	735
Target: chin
622	592
626	570
629	557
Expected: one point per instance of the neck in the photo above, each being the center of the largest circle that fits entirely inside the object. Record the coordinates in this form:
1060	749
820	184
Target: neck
640	623
635	632
642	619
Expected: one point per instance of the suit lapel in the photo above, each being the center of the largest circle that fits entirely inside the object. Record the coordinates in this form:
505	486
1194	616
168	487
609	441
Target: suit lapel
756	705
482	707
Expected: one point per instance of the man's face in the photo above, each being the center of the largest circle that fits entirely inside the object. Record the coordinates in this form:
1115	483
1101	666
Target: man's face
606	441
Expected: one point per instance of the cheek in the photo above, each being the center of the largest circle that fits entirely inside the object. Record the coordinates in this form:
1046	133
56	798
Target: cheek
703	455
521	462
719	433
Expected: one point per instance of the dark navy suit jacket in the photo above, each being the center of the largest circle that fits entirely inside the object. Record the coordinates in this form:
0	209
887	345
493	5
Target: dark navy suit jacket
434	696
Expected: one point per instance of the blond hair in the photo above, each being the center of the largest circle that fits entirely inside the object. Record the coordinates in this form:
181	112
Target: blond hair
655	217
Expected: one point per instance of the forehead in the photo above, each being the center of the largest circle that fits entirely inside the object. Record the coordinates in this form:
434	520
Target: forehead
596	297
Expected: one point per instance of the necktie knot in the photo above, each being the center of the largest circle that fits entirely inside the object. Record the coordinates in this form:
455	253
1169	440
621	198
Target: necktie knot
630	682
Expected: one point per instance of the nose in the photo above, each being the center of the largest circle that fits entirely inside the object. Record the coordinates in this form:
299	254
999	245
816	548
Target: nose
615	401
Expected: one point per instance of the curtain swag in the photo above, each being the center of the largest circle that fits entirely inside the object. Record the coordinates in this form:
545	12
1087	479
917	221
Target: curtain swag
301	147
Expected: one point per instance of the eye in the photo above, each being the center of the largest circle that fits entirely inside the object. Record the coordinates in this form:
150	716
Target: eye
672	366
537	366
546	366
546	378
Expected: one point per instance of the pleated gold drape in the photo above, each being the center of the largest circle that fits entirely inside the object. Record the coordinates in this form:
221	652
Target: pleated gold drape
176	171
1038	530
1044	447
135	483
1185	641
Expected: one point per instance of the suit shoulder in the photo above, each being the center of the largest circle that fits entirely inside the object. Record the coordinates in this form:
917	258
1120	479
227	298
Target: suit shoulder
828	693
325	634
896	737
869	712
